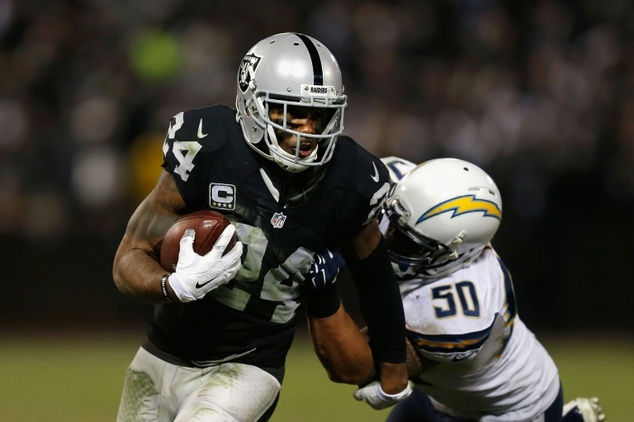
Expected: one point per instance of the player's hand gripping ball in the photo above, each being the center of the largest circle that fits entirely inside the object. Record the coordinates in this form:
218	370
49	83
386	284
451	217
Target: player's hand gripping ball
208	226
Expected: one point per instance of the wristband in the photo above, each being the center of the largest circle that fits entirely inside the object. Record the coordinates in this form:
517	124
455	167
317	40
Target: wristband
394	397
164	287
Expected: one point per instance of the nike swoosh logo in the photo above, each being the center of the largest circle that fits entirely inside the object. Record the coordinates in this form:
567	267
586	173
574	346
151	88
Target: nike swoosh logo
199	285
200	130
375	177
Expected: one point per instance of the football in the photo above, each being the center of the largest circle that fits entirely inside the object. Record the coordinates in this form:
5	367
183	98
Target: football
208	226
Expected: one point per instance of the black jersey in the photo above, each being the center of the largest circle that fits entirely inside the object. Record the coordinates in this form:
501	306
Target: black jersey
281	224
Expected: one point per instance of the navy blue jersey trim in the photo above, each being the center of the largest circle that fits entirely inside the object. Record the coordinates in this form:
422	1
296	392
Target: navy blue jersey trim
314	57
392	167
511	301
511	305
451	343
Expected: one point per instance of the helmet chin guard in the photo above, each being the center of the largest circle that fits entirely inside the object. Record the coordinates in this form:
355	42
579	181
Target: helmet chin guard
288	162
283	70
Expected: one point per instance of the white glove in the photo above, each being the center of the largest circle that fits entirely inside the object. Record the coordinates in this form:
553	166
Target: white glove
196	275
374	395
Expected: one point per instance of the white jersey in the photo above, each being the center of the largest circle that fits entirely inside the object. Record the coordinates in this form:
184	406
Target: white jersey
480	359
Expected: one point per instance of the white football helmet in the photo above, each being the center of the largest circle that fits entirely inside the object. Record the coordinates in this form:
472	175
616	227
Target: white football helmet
289	69
442	214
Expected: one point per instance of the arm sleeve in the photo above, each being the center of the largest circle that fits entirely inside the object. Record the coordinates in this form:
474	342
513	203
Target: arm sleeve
381	305
322	303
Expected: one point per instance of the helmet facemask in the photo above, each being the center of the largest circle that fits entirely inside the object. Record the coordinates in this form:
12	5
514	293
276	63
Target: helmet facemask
328	127
412	253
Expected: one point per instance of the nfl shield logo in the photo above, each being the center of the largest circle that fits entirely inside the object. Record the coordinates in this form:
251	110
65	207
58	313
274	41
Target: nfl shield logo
278	220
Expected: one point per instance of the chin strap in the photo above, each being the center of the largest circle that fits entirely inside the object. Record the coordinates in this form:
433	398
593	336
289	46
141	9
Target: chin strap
454	243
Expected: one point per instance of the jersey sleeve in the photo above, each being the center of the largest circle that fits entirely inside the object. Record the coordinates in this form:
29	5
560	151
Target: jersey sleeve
369	184
189	149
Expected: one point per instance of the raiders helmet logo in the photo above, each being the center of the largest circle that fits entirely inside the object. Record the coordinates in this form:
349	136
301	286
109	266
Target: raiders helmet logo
247	69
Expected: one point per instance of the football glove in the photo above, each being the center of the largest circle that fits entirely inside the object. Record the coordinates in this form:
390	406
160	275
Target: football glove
326	268
196	275
374	395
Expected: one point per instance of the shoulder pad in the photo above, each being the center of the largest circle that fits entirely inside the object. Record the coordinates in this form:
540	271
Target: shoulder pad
398	167
201	125
368	179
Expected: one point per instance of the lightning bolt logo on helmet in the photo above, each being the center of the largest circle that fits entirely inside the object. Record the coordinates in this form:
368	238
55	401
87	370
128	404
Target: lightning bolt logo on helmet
461	205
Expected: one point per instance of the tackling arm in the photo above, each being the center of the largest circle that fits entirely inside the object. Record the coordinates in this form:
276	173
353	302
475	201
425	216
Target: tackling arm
342	349
344	352
381	306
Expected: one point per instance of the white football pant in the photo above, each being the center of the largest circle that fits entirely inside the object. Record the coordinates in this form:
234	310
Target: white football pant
158	391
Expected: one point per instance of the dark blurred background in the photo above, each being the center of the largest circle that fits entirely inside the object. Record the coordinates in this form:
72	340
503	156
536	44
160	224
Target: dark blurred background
539	93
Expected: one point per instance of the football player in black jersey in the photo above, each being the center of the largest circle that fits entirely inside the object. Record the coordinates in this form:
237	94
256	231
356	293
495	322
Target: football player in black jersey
280	170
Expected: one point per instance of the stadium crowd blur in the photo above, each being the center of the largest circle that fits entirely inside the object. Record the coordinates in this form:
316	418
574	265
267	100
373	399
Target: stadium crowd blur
539	93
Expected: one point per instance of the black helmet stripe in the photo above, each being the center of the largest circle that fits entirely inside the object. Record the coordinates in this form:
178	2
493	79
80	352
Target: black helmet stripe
314	57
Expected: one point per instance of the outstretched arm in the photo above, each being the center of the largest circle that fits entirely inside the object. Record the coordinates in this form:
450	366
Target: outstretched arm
342	349
345	353
381	306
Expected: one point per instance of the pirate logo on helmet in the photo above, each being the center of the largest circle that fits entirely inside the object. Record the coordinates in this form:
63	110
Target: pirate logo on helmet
247	70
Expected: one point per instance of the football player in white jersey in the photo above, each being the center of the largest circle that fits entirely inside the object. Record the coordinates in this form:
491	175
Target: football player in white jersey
470	355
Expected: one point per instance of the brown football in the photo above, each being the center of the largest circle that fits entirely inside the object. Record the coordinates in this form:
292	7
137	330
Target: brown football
208	226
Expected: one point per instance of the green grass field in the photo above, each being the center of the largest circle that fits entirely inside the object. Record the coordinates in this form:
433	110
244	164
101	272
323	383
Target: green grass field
78	379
